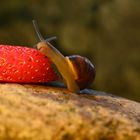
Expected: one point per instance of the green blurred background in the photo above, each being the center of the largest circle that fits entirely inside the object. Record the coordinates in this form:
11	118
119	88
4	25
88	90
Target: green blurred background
105	31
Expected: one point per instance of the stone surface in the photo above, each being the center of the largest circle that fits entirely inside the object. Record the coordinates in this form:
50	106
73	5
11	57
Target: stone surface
35	112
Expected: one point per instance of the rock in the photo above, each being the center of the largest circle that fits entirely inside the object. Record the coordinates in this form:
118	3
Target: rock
35	112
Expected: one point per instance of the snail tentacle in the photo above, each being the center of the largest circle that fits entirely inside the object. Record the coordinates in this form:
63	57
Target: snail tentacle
37	30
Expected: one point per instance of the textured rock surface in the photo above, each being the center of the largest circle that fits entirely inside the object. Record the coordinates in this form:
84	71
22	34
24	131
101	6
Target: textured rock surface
34	112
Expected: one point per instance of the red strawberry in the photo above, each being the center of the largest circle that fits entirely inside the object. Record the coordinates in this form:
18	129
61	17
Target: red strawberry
24	65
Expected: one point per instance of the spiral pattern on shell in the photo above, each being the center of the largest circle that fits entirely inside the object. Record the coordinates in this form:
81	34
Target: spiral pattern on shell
84	69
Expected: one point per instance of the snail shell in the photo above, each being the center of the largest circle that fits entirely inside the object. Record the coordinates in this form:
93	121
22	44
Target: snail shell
83	70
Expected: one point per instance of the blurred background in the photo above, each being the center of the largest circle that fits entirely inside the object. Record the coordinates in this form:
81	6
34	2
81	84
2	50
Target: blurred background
105	31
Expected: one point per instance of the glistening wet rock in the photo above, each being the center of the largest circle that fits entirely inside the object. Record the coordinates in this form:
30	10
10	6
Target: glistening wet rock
35	112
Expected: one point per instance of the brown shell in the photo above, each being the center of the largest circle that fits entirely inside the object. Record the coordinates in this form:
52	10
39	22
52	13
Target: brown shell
84	69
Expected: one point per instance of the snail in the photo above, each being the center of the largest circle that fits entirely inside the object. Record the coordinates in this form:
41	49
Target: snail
77	71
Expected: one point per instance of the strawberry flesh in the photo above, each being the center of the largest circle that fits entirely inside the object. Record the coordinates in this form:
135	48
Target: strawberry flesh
25	65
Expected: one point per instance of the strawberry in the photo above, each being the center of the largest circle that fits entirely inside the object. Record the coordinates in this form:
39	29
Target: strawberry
24	65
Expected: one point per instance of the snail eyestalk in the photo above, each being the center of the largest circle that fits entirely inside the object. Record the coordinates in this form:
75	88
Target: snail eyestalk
58	59
51	38
40	35
37	30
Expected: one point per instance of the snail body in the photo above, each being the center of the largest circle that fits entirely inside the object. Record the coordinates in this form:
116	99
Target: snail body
77	72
